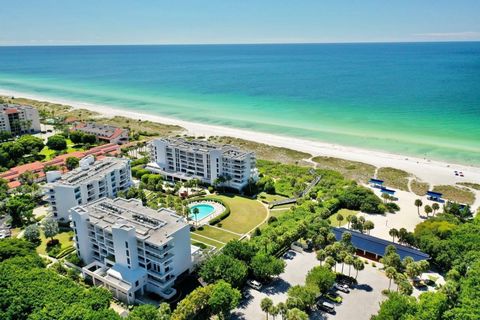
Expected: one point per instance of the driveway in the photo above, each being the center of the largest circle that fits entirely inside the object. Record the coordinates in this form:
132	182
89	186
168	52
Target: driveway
359	304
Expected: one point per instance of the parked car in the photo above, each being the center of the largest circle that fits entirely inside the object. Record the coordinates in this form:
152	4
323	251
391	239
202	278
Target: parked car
289	255
325	306
333	297
254	284
341	287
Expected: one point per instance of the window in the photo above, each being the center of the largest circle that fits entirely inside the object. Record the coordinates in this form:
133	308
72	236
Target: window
126	244
128	260
136	283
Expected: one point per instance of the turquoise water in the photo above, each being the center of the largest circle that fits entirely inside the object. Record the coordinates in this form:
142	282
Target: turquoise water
419	99
204	211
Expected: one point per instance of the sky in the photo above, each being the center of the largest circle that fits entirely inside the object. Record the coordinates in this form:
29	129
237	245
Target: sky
71	22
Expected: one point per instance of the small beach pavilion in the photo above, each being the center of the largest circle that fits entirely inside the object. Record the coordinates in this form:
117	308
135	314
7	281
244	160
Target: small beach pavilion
374	248
376	183
434	196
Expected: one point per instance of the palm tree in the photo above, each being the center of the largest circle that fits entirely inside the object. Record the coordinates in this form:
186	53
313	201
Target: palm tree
266	304
390	272
350	261
368	225
435	207
418	204
385	197
358	266
274	311
393	233
339	218
282	309
195	211
428	210
349	219
321	255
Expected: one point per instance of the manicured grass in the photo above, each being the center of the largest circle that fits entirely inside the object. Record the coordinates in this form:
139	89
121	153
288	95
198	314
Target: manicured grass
345	213
50	154
245	213
394	178
472	185
209	242
63	238
457	194
418	187
217	234
354	170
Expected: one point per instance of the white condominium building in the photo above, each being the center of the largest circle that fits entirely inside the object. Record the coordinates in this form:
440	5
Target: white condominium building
179	160
90	181
130	249
19	119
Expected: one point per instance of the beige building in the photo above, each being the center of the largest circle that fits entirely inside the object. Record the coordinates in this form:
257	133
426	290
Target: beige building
19	119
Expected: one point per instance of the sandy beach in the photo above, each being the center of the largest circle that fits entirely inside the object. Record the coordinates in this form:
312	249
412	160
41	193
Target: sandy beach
432	171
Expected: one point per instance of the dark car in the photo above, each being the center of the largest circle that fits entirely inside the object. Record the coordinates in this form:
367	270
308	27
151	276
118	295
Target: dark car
325	306
289	255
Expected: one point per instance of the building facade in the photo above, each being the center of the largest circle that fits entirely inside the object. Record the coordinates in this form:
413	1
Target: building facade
19	119
131	249
104	132
179	160
90	181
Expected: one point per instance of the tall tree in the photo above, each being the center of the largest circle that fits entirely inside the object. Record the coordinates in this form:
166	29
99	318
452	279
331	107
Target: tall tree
266	304
50	228
390	272
418	203
339	218
223	299
428	210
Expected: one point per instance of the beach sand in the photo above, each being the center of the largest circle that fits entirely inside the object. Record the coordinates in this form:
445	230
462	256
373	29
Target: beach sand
432	171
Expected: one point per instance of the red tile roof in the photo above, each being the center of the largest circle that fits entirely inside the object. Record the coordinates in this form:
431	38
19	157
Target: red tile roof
13	174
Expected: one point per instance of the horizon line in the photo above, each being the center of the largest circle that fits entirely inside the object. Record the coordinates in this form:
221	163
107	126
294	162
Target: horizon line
228	43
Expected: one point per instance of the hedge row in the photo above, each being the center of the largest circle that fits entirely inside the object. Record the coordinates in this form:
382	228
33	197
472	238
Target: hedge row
65	252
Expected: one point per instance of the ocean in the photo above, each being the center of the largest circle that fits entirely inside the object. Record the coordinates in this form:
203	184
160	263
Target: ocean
418	99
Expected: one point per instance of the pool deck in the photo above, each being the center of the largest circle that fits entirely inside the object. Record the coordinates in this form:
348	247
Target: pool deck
218	209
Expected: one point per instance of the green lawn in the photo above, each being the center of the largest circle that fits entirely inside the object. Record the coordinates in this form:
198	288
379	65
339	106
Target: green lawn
196	238
217	234
63	237
50	154
245	213
345	213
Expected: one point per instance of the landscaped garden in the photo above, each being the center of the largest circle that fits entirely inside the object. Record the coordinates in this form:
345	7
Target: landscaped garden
64	241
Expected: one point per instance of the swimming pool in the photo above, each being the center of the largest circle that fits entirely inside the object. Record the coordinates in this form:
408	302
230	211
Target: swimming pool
204	210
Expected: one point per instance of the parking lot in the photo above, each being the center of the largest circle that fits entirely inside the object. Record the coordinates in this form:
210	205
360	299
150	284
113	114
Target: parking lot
360	303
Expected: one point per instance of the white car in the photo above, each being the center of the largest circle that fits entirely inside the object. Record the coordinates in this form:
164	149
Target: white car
254	284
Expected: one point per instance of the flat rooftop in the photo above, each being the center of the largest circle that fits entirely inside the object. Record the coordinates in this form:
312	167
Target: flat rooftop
155	226
205	146
99	167
11	106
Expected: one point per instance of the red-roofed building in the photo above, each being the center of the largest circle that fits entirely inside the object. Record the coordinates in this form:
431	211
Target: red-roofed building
37	167
104	132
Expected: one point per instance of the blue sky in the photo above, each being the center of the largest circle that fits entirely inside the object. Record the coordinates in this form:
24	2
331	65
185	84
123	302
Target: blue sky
34	22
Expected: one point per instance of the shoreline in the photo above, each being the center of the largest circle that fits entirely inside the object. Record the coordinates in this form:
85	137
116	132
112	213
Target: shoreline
431	171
